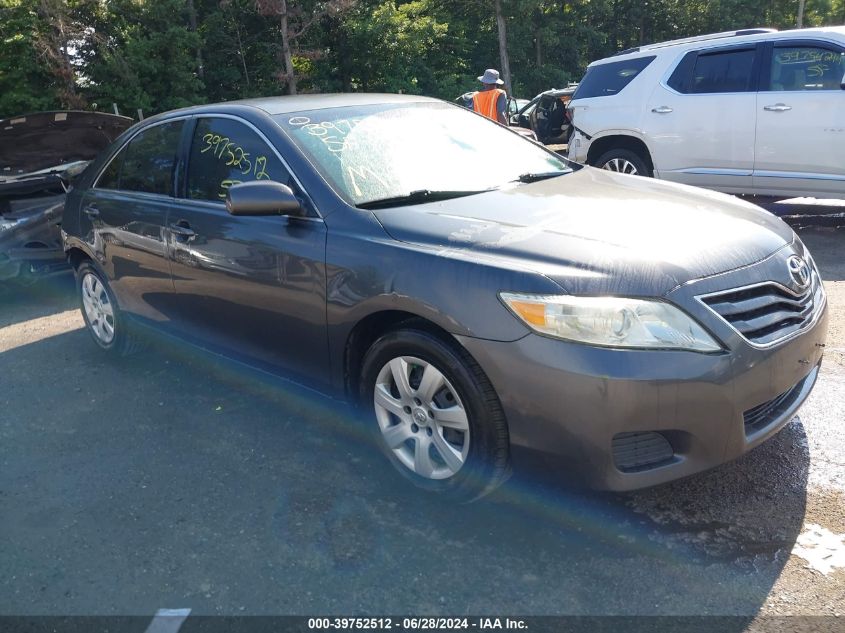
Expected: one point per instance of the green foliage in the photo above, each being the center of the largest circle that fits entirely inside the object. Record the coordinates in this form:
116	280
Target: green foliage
163	54
144	56
25	81
391	47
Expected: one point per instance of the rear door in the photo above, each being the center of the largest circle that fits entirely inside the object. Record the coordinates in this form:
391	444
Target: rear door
800	144
700	122
124	216
252	285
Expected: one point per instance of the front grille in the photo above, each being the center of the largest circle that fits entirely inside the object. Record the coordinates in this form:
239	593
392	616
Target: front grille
767	313
761	416
634	452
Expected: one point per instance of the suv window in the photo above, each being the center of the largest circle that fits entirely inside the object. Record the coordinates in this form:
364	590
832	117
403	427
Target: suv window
724	71
146	164
806	68
609	79
225	152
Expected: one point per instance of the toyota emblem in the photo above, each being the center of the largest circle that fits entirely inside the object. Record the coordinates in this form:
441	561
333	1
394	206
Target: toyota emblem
799	271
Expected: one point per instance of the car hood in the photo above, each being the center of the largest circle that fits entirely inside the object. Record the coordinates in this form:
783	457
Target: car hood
597	232
36	142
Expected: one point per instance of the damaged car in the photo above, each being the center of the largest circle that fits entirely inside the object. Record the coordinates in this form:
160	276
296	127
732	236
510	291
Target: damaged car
481	303
547	116
40	156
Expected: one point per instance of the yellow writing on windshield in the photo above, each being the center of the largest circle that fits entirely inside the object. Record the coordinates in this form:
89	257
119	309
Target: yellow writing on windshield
363	174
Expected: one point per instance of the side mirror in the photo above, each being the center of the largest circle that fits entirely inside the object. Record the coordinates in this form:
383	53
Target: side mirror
262	197
514	119
842	83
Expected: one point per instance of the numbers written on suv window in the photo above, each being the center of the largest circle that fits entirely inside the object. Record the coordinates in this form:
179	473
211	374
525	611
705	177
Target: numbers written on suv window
806	68
225	152
146	164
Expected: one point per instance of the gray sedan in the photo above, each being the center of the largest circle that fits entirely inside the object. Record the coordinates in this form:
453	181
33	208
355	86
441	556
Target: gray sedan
483	301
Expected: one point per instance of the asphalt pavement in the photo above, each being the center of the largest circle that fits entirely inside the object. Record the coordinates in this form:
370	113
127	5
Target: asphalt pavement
176	479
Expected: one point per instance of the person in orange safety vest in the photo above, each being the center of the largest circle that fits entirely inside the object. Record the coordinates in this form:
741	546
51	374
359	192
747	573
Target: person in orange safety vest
491	101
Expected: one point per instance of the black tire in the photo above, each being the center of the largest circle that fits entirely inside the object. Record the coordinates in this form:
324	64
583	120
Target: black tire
623	156
123	341
486	465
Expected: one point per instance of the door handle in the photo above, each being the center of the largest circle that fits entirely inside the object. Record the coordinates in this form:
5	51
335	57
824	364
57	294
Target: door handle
182	229
662	110
778	107
91	212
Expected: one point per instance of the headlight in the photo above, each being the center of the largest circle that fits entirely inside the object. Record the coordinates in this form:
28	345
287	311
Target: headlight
611	321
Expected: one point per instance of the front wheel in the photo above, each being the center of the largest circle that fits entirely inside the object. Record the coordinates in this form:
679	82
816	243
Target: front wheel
435	414
623	161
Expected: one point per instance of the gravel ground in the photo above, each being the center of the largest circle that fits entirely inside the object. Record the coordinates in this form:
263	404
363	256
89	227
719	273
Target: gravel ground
176	479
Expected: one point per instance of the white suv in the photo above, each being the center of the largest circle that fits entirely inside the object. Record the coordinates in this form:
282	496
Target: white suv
753	112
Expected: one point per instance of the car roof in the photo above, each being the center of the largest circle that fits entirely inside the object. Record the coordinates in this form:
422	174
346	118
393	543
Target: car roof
728	37
298	103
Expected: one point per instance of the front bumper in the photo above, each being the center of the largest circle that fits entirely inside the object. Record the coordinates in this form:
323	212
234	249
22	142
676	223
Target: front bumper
567	402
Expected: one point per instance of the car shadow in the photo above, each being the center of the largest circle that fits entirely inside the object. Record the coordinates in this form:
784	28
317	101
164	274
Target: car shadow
174	478
826	246
45	297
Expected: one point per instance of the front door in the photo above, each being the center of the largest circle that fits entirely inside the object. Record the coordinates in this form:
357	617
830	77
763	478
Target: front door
801	122
252	285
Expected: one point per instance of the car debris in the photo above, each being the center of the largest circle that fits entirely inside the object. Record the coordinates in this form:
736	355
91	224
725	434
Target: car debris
40	156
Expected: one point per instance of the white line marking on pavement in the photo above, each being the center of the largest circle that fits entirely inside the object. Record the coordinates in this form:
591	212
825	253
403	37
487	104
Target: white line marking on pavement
168	620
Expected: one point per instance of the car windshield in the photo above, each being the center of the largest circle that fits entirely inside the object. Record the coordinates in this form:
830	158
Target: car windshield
378	152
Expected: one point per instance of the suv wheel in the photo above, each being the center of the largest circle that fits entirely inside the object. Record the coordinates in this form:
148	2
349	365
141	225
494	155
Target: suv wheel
623	161
103	318
437	417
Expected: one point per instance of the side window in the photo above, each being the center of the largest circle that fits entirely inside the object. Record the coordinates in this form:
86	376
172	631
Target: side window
110	178
726	71
147	163
806	68
609	79
679	80
225	152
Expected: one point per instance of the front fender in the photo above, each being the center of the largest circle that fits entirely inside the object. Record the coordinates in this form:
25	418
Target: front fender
451	288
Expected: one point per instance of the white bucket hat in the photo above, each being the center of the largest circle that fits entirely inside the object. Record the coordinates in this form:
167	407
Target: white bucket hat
491	76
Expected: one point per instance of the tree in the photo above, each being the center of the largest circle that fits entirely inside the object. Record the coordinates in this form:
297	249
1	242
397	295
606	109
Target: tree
144	56
503	46
294	22
26	84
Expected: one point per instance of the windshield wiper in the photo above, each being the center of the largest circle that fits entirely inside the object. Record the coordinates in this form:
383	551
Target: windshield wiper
417	197
542	175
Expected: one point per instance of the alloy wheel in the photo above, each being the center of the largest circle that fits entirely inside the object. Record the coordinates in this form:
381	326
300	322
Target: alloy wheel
621	165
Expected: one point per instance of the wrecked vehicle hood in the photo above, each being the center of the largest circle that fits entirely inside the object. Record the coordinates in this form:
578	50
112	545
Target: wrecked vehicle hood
40	155
596	232
35	142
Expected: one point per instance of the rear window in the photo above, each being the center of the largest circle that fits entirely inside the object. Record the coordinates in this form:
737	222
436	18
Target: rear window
605	80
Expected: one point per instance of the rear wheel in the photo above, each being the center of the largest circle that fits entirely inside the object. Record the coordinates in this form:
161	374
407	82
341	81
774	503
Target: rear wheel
623	161
435	414
103	318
